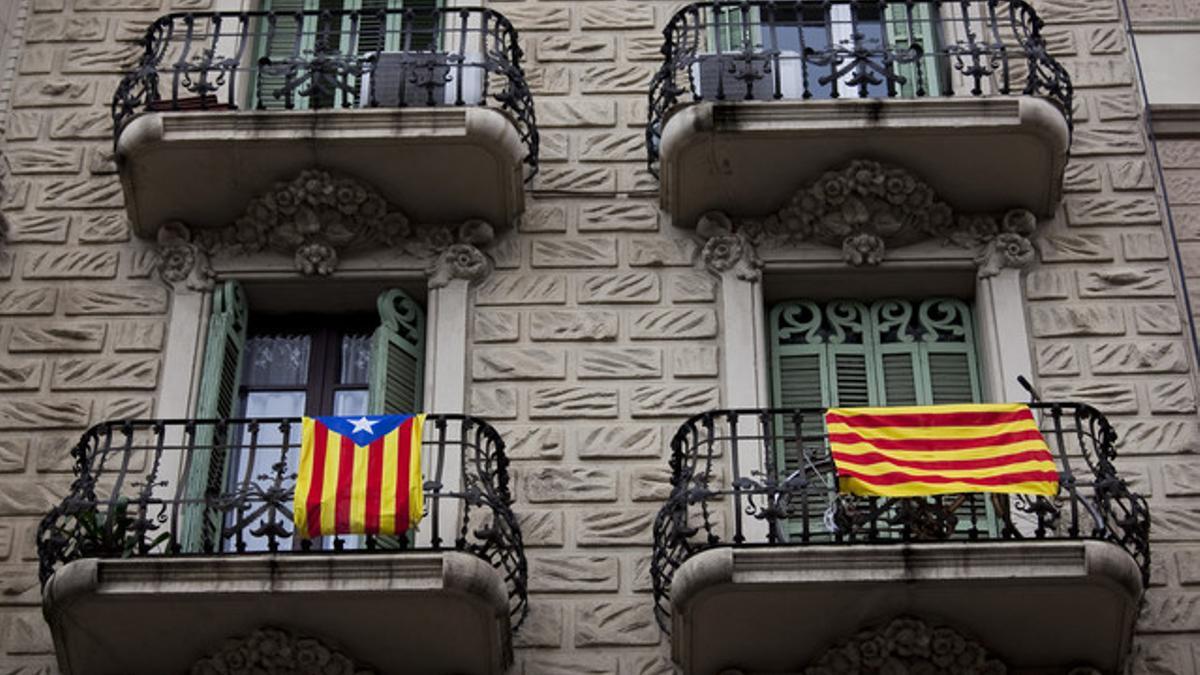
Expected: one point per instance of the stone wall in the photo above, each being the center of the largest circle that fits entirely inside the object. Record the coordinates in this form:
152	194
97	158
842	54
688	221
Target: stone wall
597	332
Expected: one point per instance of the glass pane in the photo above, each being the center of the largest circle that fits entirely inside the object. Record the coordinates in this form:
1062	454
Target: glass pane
350	402
276	360
261	464
356	359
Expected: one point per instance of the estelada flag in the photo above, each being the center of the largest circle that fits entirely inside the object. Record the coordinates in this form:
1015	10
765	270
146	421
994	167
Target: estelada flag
359	475
927	450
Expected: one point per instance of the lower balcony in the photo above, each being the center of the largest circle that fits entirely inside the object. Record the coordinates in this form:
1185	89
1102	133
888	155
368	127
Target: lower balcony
760	566
145	571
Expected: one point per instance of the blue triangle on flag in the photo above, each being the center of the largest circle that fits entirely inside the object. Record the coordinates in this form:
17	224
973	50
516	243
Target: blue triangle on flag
363	429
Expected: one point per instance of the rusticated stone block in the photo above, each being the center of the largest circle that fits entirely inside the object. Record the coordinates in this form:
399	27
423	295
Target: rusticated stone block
27	301
575	48
522	289
126	299
1105	40
496	326
6	541
1131	174
575	252
576	178
45	159
52	452
15	196
572	401
38	228
1157	437
66	29
1169	611
613	146
636	178
621	215
106	373
535	18
1182	479
126	408
618	17
555	146
1074	247
86	193
1172	396
42	93
673	400
661	252
1156	319
648	664
81	124
614	527
1171	521
101	161
576	113
1137	357
24	125
1143	245
650	484
1063	321
1179	153
1056	358
20	375
569	663
111	58
548	79
1183	186
526	441
1082	177
641	581
624	441
673	324
615	622
693	287
71	264
99	228
1048	284
28	633
573	325
56	413
623	287
541	527
1114	210
141	262
570	484
544	218
506	253
14	453
512	363
616	79
642	48
1108	397
543	626
618	362
1100	72
494	402
1115	105
1124	139
574	573
116	5
694	361
1125	282
138	336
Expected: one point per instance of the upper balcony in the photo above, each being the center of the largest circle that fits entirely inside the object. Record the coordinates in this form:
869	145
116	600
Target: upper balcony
756	98
428	105
760	566
151	566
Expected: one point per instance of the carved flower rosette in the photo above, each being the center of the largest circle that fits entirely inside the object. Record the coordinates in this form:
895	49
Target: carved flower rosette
866	209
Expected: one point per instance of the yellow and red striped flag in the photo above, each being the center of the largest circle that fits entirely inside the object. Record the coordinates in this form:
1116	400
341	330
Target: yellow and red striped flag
359	475
939	449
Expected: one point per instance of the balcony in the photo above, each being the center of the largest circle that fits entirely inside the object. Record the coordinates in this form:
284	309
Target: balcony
146	572
755	99
429	106
760	566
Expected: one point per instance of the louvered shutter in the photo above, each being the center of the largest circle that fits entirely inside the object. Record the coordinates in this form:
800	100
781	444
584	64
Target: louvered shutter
397	365
217	399
287	34
909	24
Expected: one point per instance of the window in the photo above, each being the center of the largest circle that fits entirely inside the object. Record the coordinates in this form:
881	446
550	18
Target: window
855	353
297	36
261	366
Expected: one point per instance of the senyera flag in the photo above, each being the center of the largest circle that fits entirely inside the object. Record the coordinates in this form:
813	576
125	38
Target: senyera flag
359	475
940	449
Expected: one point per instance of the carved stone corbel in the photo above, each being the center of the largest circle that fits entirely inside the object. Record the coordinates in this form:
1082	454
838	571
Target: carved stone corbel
180	260
464	259
907	645
865	209
272	650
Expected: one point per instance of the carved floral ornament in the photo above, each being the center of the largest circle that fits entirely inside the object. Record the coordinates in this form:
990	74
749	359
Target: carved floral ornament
271	651
865	209
316	218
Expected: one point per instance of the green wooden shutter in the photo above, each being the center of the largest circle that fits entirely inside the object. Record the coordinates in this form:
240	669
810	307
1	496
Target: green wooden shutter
914	23
217	399
290	34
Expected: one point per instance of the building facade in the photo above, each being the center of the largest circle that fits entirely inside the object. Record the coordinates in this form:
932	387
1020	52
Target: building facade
585	222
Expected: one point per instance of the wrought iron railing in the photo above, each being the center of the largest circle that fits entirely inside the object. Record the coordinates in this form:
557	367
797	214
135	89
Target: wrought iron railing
138	492
765	477
416	56
760	50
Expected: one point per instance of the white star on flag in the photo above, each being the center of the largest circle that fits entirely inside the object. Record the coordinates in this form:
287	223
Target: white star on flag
364	424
